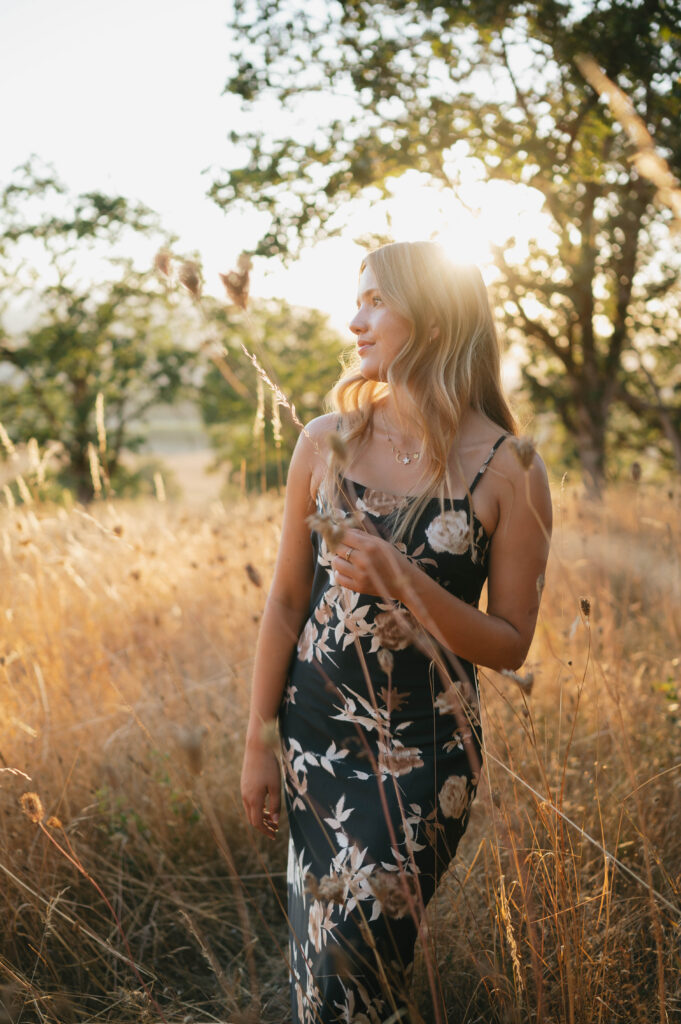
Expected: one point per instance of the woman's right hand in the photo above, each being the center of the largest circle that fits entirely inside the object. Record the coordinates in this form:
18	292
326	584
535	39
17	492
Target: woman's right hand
261	788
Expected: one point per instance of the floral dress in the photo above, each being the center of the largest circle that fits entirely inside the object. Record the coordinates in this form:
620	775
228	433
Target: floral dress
381	745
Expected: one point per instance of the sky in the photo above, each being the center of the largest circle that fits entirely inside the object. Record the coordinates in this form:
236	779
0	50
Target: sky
127	98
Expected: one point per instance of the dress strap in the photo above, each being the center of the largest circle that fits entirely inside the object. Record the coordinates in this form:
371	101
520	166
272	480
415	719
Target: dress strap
479	475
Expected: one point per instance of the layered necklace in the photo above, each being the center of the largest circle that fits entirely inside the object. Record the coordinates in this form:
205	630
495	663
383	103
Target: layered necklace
406	458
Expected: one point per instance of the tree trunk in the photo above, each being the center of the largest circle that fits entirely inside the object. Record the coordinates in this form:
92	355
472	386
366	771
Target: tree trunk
590	441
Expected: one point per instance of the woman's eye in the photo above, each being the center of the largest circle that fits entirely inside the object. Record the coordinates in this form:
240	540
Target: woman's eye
376	300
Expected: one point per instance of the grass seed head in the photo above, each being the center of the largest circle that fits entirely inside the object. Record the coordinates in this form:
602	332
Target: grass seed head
329	888
526	682
394	630
190	740
585	606
253	574
32	806
326	525
237	282
162	261
389	890
339	449
524	449
386	660
190	277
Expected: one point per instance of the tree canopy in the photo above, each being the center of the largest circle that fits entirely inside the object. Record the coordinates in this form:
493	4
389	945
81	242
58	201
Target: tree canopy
89	359
403	83
246	424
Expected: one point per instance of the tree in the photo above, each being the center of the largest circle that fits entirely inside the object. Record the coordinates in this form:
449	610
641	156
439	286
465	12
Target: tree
302	352
106	346
407	81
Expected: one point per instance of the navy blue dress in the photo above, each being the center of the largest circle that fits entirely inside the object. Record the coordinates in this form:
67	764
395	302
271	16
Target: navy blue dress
380	738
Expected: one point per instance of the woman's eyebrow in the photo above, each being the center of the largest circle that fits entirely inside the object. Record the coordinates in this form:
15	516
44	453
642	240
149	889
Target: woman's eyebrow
367	294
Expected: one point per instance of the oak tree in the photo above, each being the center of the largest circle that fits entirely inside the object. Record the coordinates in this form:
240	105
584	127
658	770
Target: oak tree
373	89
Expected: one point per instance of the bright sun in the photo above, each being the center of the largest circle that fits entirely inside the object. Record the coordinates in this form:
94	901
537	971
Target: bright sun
467	222
470	220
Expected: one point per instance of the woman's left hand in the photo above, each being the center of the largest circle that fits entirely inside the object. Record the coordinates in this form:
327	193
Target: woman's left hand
370	565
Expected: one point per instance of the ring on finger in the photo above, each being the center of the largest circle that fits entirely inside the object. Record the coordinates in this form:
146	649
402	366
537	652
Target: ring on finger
348	557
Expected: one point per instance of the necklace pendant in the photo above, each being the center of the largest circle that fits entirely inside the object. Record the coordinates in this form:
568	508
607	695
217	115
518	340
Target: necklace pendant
406	459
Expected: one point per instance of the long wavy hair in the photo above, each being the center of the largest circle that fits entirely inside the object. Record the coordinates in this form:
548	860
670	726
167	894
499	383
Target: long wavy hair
450	360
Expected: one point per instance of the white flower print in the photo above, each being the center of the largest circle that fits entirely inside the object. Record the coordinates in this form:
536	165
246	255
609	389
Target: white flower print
319	923
350	866
454	797
340	814
351	619
323	612
311	644
375	718
410	824
449	532
378	503
296	869
396	760
449	702
332	754
289	695
350	1013
455	743
296	787
306	641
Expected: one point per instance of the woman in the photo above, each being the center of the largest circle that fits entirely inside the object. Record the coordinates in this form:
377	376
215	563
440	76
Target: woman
371	630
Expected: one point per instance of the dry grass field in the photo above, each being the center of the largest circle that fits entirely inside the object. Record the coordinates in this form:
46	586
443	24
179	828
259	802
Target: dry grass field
134	891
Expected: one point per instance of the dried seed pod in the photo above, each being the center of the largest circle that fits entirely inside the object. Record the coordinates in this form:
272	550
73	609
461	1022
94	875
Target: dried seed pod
162	261
386	660
32	806
524	449
190	276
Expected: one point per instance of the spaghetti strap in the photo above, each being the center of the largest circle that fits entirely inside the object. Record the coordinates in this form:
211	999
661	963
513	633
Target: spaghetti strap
478	476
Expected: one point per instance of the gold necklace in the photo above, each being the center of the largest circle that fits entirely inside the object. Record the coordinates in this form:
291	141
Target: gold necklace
406	458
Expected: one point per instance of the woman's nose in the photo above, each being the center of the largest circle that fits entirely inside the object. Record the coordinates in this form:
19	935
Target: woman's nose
357	324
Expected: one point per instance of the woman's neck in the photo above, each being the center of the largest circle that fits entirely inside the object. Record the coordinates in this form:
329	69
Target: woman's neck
393	418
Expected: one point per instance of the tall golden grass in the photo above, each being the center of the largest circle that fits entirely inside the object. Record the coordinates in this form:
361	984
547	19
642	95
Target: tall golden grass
137	892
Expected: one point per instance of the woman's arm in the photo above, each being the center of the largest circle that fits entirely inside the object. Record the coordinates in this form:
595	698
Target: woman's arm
284	614
500	637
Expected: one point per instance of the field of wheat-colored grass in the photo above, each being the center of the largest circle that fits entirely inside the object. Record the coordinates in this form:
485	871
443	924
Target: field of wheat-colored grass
134	891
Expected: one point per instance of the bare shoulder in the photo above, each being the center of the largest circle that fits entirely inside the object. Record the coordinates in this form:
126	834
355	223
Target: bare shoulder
522	482
313	446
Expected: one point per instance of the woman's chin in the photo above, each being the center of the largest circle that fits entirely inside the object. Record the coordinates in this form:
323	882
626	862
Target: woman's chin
371	372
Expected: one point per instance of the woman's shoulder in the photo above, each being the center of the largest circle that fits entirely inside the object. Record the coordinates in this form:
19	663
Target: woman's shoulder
314	446
315	436
321	426
520	472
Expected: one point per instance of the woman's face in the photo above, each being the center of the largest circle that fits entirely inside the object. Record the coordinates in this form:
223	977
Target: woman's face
380	331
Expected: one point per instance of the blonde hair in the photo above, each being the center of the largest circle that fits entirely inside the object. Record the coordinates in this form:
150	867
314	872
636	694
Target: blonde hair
450	360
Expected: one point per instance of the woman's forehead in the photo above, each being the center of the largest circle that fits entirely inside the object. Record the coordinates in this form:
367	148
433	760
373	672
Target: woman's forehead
367	281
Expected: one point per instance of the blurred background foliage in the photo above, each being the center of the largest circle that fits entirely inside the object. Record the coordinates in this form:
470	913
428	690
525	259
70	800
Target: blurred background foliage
303	354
